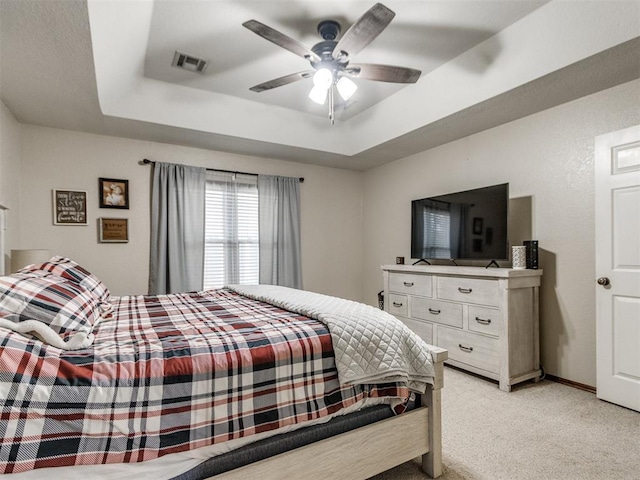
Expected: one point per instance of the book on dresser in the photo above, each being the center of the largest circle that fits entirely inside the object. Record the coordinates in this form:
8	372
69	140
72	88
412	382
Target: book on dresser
488	319
531	253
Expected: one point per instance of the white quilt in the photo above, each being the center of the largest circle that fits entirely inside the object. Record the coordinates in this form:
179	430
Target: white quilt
370	345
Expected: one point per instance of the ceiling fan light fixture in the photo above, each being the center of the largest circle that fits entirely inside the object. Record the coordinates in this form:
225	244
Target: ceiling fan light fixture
330	58
346	88
318	94
323	78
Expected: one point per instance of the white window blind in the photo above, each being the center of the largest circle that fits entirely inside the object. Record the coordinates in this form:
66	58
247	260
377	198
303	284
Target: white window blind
437	232
231	254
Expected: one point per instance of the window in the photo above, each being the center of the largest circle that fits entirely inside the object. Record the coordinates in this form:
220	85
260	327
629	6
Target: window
231	254
436	232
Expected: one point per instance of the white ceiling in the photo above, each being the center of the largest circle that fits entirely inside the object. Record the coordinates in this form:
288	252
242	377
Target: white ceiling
105	67
423	35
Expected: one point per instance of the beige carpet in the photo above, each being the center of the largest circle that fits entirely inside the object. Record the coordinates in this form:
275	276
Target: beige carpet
538	431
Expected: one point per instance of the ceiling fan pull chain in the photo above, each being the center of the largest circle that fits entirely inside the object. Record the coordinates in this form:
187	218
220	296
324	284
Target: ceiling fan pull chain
331	117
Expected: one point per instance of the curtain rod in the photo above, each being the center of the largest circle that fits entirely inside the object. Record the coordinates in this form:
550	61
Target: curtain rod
147	161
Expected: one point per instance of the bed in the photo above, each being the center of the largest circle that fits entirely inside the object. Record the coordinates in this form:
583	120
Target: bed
239	382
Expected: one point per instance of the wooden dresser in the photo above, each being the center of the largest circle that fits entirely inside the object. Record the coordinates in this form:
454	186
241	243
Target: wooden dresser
487	318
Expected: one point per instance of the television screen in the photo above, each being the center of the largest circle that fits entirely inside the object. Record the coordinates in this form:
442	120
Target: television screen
464	225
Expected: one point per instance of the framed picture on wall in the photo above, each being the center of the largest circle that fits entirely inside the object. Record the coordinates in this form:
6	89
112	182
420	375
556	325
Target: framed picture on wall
488	239
114	193
113	230
477	226
69	207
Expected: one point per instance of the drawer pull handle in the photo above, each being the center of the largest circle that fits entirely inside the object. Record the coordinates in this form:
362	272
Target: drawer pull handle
483	321
434	312
464	290
408	284
465	349
396	304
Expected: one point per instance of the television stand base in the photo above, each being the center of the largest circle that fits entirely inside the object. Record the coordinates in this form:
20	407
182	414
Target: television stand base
493	262
421	260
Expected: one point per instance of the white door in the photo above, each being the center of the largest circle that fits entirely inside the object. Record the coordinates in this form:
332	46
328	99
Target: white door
617	184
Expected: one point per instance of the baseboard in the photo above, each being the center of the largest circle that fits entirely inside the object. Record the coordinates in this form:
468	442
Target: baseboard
571	383
547	376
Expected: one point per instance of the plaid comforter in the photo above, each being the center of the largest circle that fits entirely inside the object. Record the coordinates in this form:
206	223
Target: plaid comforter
167	374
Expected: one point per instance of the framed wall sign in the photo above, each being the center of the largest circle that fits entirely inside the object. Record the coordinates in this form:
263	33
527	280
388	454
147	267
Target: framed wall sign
69	207
114	193
113	230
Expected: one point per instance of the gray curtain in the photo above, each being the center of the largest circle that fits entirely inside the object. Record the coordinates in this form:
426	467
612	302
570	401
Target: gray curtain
456	225
280	231
177	228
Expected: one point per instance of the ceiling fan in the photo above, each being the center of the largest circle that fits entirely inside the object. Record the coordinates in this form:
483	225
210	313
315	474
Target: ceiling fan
331	58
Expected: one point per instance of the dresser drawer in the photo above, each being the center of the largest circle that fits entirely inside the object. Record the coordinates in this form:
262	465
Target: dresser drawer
398	305
410	283
469	290
434	311
485	320
423	329
475	350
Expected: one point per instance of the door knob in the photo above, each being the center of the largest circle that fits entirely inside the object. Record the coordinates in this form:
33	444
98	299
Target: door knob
604	281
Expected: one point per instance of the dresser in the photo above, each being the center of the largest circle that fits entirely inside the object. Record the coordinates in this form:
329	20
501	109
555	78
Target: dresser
487	318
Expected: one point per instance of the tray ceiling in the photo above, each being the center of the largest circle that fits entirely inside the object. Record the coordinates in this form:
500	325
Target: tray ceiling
105	67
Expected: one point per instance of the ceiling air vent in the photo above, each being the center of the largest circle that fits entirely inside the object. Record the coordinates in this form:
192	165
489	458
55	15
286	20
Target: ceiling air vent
189	62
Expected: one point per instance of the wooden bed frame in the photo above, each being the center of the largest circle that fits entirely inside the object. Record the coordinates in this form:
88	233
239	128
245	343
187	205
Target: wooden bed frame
365	451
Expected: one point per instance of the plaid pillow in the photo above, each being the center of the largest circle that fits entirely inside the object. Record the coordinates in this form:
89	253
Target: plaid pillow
59	312
70	270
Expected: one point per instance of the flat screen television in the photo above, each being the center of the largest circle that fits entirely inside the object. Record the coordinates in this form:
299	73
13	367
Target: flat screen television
469	225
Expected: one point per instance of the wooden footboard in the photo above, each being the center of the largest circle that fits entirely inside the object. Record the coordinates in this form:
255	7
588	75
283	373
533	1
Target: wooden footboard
432	460
366	451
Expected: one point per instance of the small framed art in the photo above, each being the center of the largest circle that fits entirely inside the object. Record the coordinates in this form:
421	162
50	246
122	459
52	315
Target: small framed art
114	193
477	226
69	207
113	230
488	238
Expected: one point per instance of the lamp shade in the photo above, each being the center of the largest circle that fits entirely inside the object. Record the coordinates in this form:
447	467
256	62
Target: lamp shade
318	95
323	78
22	258
346	88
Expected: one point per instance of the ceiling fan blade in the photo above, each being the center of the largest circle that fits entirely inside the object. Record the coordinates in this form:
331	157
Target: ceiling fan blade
364	31
279	82
281	40
383	73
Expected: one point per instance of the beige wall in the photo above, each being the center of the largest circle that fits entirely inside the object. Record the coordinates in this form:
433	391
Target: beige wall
330	204
352	222
547	159
10	178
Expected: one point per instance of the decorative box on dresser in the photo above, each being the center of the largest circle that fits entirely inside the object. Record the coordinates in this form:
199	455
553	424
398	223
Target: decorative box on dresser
487	318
